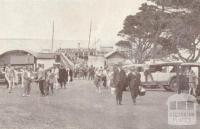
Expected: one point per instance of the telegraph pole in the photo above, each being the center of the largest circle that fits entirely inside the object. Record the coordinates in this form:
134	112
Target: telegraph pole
52	38
89	37
95	44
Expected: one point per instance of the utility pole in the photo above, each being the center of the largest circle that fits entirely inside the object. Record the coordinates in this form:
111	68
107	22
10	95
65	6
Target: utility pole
89	37
95	45
52	38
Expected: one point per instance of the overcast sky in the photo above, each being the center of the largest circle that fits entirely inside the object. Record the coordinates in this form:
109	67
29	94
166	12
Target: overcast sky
32	19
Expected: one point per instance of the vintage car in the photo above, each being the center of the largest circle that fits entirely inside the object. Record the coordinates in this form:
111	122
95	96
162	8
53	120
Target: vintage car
159	74
170	76
164	74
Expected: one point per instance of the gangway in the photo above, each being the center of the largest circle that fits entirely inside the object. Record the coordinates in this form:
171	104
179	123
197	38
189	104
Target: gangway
65	61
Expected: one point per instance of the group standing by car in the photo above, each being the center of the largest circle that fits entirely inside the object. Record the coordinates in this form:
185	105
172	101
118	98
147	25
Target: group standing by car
118	79
188	81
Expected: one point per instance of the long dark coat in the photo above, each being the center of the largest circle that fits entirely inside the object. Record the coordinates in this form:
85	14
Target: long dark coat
116	77
133	83
122	81
63	75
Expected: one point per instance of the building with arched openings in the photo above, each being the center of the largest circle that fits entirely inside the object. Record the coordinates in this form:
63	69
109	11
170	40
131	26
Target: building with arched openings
26	58
18	58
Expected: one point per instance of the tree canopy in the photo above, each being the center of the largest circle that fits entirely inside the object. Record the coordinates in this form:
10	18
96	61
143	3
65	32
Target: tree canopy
176	31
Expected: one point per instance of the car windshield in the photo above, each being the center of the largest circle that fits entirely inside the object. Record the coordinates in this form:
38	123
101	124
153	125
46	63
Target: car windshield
165	69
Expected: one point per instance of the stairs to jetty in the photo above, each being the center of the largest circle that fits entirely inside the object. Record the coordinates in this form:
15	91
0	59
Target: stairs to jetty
65	61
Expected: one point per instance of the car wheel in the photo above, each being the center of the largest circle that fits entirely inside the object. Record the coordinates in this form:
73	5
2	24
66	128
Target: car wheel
173	85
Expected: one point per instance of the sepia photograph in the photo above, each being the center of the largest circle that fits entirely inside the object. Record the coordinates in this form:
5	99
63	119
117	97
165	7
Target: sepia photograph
99	64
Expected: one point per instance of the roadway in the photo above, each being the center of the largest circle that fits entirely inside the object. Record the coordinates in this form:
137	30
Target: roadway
81	107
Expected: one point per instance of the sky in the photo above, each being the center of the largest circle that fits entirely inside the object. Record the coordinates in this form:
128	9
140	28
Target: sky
33	19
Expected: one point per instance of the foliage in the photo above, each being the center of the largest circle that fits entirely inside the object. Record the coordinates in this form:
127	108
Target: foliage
176	31
143	30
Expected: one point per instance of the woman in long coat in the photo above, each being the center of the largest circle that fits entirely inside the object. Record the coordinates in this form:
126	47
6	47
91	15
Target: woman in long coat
133	83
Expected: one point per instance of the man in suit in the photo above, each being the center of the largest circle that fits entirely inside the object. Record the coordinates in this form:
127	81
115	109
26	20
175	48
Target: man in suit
63	76
27	82
119	78
41	80
10	77
133	83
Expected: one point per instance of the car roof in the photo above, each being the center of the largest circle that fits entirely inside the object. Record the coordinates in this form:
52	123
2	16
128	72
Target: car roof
135	65
155	64
191	64
166	64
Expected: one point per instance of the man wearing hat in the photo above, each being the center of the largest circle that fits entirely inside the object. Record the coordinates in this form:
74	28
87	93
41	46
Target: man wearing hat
10	77
27	81
133	83
41	79
119	79
63	75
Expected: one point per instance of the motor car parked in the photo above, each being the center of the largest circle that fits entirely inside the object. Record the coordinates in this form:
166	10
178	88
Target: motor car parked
159	74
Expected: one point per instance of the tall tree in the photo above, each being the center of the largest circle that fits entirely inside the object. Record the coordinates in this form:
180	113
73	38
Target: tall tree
174	3
143	30
183	32
178	31
185	35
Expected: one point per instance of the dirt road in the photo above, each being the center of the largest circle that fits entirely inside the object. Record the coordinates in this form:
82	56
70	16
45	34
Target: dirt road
81	107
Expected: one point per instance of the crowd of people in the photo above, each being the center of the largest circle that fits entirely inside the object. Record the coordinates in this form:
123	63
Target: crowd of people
115	78
47	79
77	54
188	81
118	79
85	72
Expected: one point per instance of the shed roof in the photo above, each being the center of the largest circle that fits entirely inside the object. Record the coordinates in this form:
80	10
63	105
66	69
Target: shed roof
18	50
38	55
108	55
45	55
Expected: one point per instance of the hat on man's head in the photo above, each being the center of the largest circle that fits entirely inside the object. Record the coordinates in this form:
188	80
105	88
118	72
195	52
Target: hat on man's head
132	69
